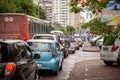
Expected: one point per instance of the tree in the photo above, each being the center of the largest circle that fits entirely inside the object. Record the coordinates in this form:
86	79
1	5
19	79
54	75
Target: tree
91	5
7	6
109	33
42	13
70	30
84	25
21	6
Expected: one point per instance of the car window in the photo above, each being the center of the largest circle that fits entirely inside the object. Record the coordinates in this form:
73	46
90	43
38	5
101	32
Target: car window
40	46
3	52
25	53
7	52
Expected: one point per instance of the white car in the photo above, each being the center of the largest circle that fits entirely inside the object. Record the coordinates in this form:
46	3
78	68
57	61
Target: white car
94	39
111	53
47	37
100	42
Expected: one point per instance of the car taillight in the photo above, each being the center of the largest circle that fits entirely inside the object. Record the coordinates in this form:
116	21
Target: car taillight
25	38
114	48
9	69
53	52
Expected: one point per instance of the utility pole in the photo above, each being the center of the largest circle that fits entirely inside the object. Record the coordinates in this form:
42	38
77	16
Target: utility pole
40	1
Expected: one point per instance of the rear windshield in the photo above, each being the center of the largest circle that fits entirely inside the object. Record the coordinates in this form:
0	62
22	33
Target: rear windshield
40	46
5	51
44	37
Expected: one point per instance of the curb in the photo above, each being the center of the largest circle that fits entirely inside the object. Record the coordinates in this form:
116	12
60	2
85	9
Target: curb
89	48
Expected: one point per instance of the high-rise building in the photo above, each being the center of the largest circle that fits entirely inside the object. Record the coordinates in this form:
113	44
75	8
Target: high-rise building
47	6
58	12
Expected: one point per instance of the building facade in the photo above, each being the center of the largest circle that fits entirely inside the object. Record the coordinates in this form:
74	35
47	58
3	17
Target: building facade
58	12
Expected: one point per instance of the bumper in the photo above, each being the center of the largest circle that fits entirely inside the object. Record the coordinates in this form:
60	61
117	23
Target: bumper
71	50
109	56
47	65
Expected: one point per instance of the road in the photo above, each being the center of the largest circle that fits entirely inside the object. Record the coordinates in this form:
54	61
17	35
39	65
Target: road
69	64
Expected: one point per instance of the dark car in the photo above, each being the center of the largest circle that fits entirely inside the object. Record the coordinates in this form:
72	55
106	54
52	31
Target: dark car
71	49
65	47
16	62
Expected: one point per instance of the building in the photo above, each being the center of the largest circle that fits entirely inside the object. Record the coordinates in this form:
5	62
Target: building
58	12
47	6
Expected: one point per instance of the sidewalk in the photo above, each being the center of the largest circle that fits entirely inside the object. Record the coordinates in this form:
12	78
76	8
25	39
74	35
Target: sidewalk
89	48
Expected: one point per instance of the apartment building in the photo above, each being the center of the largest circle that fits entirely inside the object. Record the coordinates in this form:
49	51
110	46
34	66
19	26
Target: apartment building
58	12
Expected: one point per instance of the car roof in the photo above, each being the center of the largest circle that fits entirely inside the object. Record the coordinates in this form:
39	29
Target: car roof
44	35
10	41
41	40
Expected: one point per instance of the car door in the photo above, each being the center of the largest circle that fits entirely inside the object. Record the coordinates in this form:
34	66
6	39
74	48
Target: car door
28	64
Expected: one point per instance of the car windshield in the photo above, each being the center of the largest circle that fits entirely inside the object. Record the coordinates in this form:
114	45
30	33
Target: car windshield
40	46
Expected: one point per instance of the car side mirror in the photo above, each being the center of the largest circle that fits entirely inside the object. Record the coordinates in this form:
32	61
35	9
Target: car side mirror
36	56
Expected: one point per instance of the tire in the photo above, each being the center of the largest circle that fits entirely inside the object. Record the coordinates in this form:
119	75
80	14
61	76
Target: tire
65	56
57	71
109	63
73	52
19	76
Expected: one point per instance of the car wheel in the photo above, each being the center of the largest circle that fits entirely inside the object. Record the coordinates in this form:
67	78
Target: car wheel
109	63
65	56
61	66
57	71
73	52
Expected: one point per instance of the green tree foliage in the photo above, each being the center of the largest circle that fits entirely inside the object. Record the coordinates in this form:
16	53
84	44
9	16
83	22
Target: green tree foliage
21	6
91	5
109	33
98	26
84	25
42	13
7	6
70	30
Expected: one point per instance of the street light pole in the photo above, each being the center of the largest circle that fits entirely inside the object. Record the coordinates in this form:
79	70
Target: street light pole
40	1
38	10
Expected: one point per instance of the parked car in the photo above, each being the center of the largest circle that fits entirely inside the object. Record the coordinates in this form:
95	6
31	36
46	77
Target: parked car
51	56
111	53
100	42
16	61
94	39
76	44
80	40
71	48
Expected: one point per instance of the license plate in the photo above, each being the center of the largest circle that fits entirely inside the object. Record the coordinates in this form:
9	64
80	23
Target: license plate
105	49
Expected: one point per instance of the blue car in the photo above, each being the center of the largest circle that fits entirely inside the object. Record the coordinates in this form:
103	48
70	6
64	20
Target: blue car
51	56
